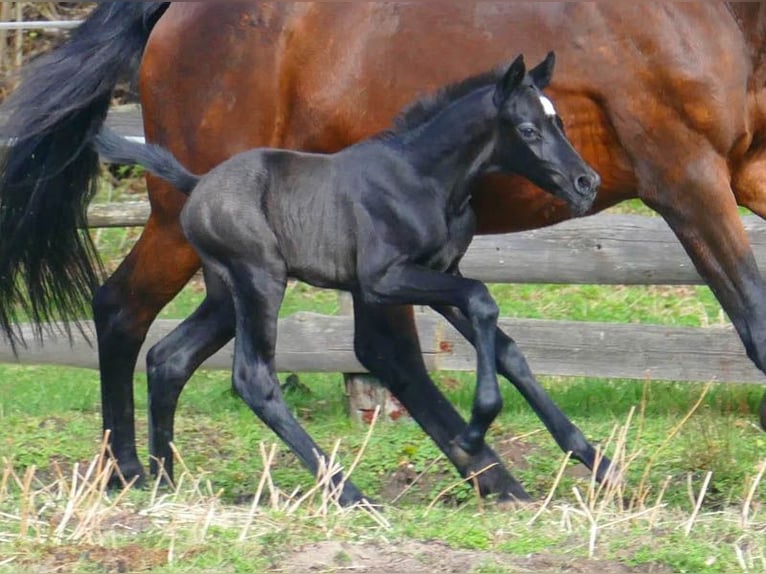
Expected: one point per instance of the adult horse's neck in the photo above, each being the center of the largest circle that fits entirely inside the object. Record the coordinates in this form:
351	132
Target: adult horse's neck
455	146
751	19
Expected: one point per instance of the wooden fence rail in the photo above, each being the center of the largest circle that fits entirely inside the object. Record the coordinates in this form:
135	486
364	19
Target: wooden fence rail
309	342
602	249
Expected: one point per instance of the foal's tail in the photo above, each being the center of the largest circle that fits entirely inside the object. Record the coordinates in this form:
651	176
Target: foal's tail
115	148
48	268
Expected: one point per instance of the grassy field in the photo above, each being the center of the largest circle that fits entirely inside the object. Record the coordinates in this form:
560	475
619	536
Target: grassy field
692	501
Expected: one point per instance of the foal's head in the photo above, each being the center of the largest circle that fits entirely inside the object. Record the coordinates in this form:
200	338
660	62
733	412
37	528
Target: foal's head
530	139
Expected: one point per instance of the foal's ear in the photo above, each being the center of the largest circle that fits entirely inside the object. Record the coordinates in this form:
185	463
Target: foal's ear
542	73
511	80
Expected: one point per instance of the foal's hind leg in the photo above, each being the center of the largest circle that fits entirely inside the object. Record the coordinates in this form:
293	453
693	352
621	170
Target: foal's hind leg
157	268
173	360
512	364
257	294
386	343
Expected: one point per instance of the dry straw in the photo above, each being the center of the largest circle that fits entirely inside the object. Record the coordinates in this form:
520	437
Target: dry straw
76	506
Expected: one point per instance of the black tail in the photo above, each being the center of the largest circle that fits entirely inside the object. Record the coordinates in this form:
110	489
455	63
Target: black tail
115	148
48	267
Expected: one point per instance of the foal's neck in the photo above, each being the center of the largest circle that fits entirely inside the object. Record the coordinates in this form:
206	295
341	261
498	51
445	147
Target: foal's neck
455	146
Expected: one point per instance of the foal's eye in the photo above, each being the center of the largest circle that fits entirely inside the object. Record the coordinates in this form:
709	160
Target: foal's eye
527	131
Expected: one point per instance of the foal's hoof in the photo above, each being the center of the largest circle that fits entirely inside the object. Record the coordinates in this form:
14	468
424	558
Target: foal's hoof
610	474
508	502
351	496
466	446
460	456
133	474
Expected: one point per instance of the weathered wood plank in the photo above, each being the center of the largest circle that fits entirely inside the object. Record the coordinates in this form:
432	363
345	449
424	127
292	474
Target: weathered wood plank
127	214
310	342
603	249
126	120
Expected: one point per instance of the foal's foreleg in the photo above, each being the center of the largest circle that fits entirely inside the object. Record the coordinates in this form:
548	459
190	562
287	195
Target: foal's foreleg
173	360
512	364
386	343
411	284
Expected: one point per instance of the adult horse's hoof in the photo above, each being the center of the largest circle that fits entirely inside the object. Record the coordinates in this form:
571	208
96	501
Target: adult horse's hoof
763	412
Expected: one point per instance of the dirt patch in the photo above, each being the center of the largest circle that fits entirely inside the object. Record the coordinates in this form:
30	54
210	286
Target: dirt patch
132	558
436	558
407	484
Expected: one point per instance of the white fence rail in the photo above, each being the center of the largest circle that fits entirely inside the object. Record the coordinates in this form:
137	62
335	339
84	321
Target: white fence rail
40	25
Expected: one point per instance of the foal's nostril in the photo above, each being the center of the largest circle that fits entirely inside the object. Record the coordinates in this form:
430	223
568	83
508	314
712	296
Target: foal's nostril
584	184
587	183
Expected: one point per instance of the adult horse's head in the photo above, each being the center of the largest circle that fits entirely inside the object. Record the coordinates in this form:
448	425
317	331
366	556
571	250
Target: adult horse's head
530	139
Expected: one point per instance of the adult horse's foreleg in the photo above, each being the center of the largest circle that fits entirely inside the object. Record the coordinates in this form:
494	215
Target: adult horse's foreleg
702	211
512	364
386	343
173	360
749	184
157	268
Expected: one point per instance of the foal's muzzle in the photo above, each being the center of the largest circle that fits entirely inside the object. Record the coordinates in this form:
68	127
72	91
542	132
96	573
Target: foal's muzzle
585	186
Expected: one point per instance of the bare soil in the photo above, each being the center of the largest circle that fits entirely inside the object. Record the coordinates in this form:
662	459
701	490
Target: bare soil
436	558
332	557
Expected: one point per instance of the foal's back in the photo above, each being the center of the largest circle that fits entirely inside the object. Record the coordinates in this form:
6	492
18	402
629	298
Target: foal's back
297	211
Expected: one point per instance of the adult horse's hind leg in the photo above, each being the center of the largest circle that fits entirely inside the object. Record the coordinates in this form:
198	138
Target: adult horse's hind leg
173	360
386	343
157	268
512	364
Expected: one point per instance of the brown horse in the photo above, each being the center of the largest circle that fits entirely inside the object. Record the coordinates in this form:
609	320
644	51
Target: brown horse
665	99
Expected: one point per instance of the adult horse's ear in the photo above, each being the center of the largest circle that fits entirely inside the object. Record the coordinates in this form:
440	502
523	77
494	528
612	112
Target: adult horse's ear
542	73
511	80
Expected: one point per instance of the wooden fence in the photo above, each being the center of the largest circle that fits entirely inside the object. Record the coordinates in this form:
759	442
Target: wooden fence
604	249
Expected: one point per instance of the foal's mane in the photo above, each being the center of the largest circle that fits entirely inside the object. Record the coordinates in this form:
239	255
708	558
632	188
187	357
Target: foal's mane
426	108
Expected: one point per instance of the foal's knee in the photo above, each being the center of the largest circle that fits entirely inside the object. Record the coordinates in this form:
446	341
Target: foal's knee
481	307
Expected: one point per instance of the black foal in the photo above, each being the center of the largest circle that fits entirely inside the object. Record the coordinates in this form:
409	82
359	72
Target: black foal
387	219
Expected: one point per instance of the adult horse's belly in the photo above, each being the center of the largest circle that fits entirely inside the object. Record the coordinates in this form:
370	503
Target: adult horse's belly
219	78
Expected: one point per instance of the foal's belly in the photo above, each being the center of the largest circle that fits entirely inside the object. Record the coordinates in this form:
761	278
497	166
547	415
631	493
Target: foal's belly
331	266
